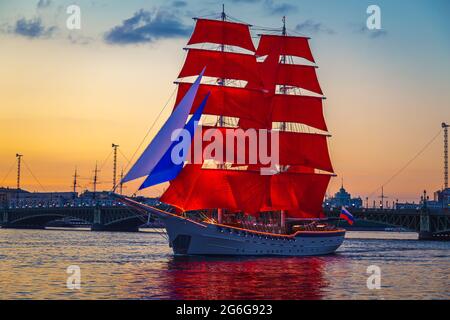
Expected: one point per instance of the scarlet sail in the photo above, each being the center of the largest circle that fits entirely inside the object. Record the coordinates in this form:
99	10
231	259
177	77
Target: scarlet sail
298	75
230	102
300	194
222	32
297	189
284	45
224	65
244	146
247	191
302	109
275	73
258	162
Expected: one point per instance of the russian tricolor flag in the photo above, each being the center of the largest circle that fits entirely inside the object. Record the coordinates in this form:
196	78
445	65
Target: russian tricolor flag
347	216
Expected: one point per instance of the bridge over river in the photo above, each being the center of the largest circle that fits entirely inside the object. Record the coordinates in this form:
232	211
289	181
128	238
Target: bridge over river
100	218
429	224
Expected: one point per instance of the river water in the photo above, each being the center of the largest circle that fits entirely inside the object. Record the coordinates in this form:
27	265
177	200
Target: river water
33	265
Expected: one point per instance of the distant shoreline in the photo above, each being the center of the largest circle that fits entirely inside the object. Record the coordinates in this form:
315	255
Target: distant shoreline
382	235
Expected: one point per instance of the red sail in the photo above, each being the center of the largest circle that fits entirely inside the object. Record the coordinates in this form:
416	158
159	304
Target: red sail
310	150
188	190
268	68
227	65
230	102
303	109
287	74
284	45
247	191
299	191
300	194
304	149
250	190
299	76
222	32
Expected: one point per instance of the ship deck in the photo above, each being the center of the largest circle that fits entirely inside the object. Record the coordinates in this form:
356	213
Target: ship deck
307	230
323	232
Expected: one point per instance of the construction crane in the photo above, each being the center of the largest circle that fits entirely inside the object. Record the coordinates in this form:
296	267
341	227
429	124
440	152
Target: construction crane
115	146
19	160
445	127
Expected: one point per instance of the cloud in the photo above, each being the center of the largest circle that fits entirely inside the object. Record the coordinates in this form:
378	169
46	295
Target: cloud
310	26
372	34
179	3
32	28
279	8
79	39
146	27
44	4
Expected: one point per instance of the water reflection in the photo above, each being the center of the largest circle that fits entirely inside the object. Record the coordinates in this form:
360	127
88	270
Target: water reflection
242	278
141	266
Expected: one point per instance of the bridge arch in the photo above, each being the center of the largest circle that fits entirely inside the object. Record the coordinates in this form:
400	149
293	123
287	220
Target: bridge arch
40	217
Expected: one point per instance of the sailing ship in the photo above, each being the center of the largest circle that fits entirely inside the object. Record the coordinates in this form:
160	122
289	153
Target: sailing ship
228	207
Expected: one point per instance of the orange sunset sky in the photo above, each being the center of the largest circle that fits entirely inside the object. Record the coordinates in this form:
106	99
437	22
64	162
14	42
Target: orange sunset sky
65	96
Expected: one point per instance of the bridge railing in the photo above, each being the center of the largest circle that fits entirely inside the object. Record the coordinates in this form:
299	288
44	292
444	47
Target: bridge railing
67	204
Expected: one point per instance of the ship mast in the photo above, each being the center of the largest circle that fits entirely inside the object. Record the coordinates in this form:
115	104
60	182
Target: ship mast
297	189
283	124
74	184
283	88
221	122
95	180
223	16
121	182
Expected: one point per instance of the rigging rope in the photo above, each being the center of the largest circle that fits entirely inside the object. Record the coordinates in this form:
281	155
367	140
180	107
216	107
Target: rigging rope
150	129
141	216
34	177
124	156
9	171
104	161
298	33
406	165
145	137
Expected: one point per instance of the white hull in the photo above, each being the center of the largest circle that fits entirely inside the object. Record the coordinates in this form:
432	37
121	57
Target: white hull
187	237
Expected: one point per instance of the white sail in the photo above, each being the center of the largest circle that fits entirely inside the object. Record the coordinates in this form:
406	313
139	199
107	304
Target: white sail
162	141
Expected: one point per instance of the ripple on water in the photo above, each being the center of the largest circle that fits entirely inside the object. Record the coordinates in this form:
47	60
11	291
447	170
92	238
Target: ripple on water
33	265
